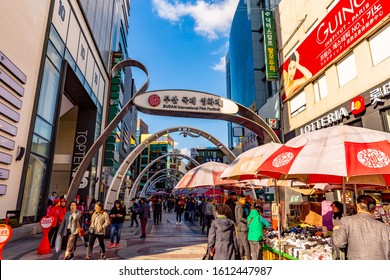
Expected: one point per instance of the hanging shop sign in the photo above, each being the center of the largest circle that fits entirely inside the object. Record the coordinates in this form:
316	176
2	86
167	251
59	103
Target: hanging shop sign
185	101
271	70
273	123
341	28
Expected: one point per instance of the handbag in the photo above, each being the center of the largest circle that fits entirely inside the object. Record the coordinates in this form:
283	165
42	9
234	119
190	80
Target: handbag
81	231
90	230
58	243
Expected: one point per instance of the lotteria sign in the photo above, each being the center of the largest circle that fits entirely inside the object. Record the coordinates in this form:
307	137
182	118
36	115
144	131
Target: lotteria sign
185	101
342	27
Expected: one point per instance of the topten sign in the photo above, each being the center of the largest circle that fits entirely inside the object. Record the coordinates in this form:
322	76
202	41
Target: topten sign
193	102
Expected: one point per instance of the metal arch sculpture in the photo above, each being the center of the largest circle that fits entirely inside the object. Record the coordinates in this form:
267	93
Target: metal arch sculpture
119	175
74	185
240	115
159	179
146	186
139	177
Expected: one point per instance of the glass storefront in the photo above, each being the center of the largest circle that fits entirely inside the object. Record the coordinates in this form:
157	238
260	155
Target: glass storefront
37	185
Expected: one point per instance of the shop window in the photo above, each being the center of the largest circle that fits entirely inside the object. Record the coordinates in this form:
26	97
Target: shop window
346	70
377	43
49	92
35	186
40	146
298	104
320	88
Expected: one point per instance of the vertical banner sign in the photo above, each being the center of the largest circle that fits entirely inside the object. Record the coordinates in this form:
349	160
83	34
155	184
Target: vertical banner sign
84	139
270	45
344	26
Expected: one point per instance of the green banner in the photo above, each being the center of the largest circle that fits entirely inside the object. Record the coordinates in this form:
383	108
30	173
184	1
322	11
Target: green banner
271	64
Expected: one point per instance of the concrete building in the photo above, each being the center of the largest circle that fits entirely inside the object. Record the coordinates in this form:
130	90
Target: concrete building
55	60
207	154
246	78
339	50
161	146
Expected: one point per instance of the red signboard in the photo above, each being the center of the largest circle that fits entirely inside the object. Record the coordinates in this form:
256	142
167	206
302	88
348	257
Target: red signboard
342	27
5	236
357	105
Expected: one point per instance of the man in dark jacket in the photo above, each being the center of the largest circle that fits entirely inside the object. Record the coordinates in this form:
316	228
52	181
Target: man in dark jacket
231	202
144	215
134	212
242	229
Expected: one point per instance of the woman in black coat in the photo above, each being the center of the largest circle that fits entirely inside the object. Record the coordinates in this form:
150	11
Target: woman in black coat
222	242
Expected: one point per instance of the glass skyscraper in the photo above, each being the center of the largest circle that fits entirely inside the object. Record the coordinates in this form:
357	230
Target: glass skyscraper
245	62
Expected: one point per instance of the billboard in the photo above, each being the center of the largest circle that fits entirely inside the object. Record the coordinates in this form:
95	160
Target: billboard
341	28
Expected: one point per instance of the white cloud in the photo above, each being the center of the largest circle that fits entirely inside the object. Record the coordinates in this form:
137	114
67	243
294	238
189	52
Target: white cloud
212	18
176	144
220	66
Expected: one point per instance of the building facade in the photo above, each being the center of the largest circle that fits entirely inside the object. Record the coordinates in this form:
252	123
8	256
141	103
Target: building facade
246	78
162	146
345	77
207	154
54	81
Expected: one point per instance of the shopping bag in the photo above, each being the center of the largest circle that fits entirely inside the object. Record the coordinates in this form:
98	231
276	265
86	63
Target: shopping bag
58	243
81	231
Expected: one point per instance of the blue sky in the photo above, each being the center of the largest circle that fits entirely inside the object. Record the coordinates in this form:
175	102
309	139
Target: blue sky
183	44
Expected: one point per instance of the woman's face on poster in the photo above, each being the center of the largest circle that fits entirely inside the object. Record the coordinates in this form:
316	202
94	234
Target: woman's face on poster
292	68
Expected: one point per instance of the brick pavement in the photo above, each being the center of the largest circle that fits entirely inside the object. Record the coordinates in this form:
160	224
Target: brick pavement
166	241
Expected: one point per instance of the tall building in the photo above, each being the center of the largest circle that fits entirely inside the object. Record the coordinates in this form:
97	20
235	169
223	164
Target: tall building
162	146
245	66
54	79
342	70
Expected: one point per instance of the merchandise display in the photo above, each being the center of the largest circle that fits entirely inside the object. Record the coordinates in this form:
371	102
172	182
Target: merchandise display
300	243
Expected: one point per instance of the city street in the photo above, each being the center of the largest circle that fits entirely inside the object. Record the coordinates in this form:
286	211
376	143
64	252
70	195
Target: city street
166	241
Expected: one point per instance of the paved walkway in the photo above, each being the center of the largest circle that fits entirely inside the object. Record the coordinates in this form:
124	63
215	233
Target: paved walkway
166	241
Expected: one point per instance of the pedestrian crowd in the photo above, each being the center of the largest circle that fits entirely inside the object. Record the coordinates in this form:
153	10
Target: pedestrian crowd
235	228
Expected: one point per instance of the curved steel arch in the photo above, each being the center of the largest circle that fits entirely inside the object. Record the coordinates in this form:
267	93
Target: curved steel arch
74	185
152	183
119	175
139	177
159	179
146	186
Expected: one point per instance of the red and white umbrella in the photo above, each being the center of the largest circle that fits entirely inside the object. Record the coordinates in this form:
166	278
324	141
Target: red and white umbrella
334	155
204	175
245	165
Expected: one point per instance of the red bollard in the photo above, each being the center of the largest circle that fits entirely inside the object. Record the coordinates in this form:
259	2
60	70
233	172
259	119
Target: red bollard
44	247
5	236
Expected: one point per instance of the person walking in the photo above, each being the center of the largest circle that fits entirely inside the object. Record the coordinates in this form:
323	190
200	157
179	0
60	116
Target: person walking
222	244
99	222
209	213
134	212
231	202
117	215
144	215
256	224
157	211
201	209
179	209
242	228
69	229
364	237
58	215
